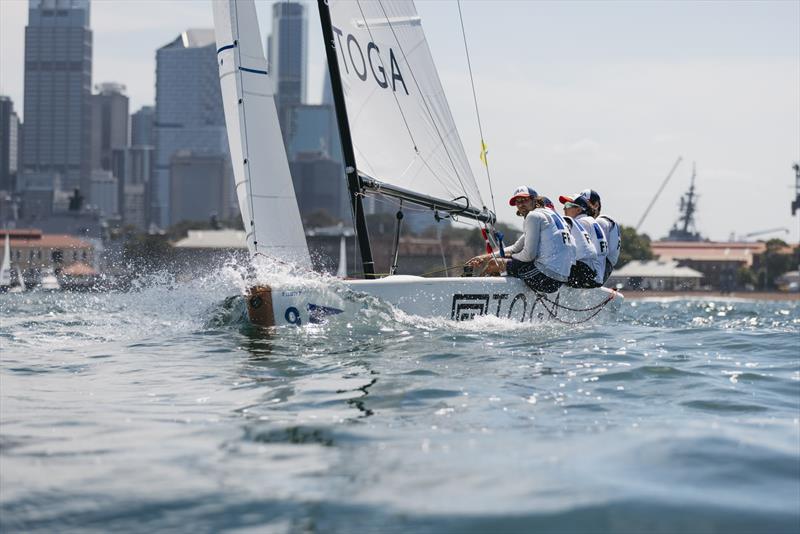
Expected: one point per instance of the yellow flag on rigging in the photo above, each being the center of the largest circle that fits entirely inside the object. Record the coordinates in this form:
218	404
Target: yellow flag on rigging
484	152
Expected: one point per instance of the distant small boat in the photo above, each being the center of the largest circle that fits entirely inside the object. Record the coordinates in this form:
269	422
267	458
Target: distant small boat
49	281
18	285
5	268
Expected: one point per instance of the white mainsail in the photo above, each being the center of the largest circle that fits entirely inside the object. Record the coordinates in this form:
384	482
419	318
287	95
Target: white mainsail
5	266
260	167
401	126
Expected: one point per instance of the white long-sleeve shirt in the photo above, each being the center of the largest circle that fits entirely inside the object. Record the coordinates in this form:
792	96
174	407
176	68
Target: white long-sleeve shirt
552	257
525	249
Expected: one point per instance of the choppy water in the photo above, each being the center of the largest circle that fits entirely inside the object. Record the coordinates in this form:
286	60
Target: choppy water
159	410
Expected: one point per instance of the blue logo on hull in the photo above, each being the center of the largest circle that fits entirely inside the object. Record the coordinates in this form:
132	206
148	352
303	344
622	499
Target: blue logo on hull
317	314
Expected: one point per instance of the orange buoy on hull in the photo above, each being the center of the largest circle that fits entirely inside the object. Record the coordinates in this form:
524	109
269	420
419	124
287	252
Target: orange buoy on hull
259	306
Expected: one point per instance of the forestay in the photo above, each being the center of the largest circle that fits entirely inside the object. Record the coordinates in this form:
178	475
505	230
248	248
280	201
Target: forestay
402	129
261	171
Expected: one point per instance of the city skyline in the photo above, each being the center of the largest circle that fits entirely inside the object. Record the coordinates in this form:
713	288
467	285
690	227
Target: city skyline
607	95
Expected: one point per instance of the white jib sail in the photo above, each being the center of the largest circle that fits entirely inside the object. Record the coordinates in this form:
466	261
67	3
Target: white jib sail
401	125
260	168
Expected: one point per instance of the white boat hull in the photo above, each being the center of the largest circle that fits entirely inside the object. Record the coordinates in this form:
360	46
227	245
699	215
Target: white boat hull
456	299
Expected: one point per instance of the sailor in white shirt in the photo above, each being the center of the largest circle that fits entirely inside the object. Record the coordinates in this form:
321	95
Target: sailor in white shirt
542	257
609	226
592	247
584	271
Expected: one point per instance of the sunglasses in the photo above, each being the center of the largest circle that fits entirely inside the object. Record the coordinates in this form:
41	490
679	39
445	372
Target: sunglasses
572	205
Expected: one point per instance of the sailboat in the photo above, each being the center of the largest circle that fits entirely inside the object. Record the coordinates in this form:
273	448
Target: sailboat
5	267
399	140
19	286
49	281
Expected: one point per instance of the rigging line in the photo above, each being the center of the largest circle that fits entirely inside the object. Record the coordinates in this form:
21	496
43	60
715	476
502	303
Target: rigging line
355	231
422	96
446	269
475	100
387	199
399	108
394	95
422	157
411	207
249	186
441	249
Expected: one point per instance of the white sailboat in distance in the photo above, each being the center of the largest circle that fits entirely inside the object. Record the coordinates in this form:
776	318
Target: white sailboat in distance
399	139
5	267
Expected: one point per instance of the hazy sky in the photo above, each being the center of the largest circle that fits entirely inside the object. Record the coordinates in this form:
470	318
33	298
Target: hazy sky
572	95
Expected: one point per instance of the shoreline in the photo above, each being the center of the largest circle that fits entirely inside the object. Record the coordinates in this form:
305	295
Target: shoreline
634	294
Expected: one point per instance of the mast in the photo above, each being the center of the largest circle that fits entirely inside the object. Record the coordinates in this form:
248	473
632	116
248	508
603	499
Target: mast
796	201
688	206
353	179
688	215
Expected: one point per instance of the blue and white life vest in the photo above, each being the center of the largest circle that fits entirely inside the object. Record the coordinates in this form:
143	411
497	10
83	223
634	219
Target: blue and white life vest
600	243
584	246
556	246
611	229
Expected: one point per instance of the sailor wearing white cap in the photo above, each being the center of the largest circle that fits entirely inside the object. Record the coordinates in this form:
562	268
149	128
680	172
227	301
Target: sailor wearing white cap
543	256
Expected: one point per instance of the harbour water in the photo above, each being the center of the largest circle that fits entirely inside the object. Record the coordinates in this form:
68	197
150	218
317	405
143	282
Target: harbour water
159	409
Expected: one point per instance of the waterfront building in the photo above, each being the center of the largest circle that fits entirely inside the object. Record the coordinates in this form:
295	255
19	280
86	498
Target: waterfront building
9	144
188	115
203	250
33	251
718	261
58	81
110	123
656	275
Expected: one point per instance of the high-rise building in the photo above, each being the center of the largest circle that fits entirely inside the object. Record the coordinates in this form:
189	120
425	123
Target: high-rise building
58	82
312	128
104	193
327	91
142	126
201	187
110	123
139	162
319	185
132	166
40	194
287	53
9	144
189	114
314	152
